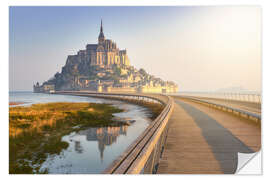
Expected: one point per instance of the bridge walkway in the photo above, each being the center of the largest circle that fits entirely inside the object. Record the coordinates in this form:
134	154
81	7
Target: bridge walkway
204	140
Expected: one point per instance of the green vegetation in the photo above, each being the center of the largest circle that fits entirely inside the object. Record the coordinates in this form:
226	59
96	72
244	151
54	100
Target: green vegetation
143	72
36	131
92	77
154	108
117	70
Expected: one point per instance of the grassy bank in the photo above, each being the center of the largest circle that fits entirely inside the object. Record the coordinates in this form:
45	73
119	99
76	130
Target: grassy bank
36	131
154	108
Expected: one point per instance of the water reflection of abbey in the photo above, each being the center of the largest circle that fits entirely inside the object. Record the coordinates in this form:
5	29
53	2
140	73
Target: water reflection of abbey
104	135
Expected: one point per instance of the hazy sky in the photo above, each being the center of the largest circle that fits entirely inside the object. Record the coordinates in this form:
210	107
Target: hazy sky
199	48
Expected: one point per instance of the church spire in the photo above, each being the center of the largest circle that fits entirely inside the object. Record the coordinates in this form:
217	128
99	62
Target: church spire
101	28
101	37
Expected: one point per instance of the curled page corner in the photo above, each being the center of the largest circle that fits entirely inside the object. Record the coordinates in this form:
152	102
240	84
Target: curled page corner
249	163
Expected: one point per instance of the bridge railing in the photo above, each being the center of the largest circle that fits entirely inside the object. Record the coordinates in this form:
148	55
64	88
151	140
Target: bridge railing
253	97
143	155
245	114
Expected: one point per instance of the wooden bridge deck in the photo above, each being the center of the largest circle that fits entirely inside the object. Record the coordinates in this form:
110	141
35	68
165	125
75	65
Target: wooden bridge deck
204	140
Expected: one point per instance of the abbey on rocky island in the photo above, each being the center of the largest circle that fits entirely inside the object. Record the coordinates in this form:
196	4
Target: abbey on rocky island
103	67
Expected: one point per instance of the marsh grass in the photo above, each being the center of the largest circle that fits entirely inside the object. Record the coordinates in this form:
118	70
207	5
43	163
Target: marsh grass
35	132
154	108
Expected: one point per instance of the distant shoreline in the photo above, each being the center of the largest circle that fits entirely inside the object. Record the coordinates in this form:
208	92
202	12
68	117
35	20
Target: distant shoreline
20	91
15	103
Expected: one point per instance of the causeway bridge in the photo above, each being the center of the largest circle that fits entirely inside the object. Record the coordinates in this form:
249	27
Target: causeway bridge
192	135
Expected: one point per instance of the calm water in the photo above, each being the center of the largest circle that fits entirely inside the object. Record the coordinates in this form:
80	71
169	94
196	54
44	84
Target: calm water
93	149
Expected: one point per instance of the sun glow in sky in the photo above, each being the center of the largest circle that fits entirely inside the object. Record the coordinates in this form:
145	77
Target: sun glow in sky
200	48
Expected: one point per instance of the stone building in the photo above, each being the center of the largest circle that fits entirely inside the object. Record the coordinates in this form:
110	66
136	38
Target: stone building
45	87
103	54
